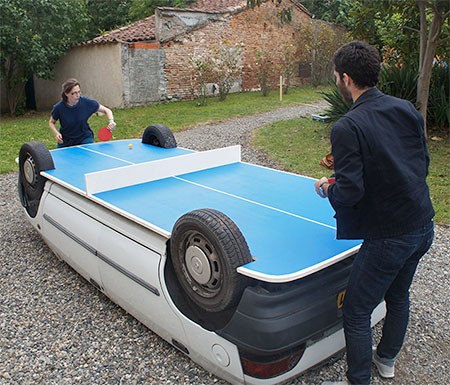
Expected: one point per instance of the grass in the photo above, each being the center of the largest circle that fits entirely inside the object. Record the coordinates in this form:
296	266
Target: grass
131	123
438	177
298	145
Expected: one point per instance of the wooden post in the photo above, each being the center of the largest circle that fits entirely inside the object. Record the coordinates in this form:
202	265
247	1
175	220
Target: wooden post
281	88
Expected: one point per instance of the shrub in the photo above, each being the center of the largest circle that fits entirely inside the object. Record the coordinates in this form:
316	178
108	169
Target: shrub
226	68
438	113
264	70
288	64
202	67
338	107
401	82
318	42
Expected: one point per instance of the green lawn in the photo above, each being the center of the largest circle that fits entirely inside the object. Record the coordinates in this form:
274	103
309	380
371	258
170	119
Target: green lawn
298	145
132	122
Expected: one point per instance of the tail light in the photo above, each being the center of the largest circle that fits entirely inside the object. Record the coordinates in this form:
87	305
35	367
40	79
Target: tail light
271	369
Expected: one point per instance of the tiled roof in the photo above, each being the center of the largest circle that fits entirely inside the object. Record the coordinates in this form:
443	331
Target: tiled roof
218	5
144	30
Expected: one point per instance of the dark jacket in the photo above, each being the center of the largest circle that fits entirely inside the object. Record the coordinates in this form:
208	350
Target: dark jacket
381	163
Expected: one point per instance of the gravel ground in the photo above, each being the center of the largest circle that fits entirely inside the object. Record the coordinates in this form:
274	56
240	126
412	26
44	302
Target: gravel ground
55	328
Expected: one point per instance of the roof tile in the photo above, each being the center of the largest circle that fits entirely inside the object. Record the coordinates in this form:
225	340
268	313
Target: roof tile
144	30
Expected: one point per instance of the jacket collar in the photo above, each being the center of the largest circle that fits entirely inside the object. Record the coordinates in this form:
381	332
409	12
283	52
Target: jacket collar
370	94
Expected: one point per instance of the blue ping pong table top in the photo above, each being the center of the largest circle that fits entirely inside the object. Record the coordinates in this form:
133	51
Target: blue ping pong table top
288	228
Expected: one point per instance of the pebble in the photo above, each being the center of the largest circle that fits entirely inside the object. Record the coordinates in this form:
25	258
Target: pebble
56	328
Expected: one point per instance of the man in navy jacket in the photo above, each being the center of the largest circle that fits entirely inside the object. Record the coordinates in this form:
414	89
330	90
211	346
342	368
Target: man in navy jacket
380	195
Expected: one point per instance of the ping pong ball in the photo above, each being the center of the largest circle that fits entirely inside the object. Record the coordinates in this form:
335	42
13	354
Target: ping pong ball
130	146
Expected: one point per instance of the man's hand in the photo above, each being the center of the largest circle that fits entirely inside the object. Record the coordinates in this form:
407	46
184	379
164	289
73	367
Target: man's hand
321	187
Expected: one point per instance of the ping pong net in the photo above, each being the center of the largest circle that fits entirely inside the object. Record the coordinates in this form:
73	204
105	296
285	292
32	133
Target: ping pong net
125	176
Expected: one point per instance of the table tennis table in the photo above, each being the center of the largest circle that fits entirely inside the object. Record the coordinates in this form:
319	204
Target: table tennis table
126	215
290	230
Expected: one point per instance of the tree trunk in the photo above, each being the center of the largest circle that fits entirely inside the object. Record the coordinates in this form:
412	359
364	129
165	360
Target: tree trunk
424	80
428	45
14	87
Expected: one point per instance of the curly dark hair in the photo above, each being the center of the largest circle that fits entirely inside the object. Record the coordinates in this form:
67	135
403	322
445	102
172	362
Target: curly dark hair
360	61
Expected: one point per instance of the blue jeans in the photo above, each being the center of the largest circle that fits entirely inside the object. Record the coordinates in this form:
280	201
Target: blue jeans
383	269
84	141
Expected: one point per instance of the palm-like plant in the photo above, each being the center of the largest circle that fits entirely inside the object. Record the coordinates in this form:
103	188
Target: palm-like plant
401	81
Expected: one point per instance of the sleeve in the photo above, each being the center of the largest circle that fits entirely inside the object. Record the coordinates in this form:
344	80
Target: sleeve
92	105
55	112
349	187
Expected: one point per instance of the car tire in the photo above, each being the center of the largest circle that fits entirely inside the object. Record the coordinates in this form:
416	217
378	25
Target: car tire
206	249
34	157
159	135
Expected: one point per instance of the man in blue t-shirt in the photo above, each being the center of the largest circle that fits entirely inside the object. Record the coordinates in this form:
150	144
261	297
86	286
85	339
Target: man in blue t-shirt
73	112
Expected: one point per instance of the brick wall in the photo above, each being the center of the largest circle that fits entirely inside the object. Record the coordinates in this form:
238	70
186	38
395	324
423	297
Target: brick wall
251	29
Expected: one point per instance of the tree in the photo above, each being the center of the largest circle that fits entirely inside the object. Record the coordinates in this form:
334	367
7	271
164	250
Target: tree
284	10
430	39
264	69
106	15
226	68
202	67
33	36
422	21
288	64
319	40
140	9
415	30
335	11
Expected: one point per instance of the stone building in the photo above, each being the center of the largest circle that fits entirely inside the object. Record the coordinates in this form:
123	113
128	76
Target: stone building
148	61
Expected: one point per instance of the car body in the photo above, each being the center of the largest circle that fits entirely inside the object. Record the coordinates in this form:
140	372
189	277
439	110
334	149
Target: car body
264	328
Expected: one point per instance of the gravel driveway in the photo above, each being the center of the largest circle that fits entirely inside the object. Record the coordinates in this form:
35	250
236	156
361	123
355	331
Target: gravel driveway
55	328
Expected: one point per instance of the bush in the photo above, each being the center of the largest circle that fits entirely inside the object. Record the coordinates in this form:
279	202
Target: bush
438	113
401	82
202	67
264	70
338	107
226	68
318	42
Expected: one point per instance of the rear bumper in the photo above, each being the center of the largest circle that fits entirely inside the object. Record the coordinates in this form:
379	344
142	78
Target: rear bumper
273	320
316	353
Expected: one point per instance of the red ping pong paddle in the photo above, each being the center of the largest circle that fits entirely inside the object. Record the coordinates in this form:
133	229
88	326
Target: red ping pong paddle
104	134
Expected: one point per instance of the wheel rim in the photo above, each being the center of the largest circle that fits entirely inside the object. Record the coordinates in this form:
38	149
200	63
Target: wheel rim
29	170
198	265
202	265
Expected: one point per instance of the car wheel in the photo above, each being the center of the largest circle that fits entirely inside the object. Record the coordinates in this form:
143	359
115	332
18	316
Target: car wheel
159	135
206	249
34	157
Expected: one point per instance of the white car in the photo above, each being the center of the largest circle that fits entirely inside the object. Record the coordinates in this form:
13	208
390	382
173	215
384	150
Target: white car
234	264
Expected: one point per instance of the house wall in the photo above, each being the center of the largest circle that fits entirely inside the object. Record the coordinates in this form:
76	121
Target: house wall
96	67
122	75
250	30
143	73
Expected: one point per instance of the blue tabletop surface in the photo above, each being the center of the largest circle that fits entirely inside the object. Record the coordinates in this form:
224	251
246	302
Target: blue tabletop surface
287	226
